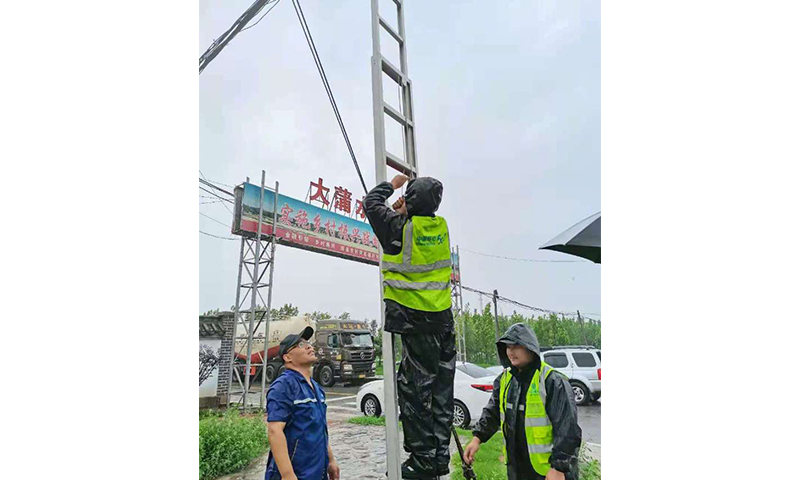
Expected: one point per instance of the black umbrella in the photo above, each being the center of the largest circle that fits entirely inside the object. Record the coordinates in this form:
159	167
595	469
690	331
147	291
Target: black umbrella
581	239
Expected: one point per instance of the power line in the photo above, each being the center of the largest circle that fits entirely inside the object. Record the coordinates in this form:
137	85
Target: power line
215	195
527	259
217	236
519	304
223	199
262	16
215	182
207	183
214	219
222	41
299	10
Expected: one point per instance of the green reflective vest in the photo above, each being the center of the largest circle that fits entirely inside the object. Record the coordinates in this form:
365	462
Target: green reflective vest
538	429
419	276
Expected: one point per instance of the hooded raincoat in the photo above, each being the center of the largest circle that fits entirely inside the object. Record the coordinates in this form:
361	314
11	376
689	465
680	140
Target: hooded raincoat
425	377
560	408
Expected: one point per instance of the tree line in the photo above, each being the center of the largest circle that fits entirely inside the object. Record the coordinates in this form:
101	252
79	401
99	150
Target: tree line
551	330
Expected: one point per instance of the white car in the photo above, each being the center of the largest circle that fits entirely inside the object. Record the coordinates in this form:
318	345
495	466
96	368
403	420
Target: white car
496	370
581	365
470	396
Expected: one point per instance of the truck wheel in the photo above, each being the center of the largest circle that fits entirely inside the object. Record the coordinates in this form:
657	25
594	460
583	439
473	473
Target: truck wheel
270	373
326	377
281	370
581	393
370	406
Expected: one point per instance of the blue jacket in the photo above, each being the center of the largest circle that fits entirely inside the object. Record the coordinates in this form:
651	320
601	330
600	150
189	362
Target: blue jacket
290	399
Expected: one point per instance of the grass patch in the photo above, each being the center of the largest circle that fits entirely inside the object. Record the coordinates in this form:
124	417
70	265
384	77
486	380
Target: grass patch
363	420
490	465
229	442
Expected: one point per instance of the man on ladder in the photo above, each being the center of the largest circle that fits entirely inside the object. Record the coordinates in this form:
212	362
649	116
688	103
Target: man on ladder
416	271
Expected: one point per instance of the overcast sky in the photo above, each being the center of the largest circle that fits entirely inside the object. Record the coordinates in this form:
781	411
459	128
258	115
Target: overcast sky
507	109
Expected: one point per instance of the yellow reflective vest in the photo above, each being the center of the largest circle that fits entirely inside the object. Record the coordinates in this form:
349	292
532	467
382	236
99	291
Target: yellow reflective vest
538	429
419	276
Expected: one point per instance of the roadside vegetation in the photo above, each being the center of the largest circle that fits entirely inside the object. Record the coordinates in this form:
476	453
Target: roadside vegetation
490	465
229	442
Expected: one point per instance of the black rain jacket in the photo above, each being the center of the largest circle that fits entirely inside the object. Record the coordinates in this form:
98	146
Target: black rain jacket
560	407
423	196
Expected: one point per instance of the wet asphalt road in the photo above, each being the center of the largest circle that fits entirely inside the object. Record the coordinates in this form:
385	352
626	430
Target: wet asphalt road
342	398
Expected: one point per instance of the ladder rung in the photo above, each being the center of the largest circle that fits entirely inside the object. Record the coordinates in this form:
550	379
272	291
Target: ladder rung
396	115
390	30
393	72
400	165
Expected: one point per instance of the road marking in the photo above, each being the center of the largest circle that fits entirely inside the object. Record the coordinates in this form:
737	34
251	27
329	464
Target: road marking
340	399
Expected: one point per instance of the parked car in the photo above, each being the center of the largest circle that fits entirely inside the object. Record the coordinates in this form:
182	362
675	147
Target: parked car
581	365
476	371
496	370
470	396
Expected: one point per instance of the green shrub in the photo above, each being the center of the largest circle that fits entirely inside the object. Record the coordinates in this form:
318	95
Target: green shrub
230	442
210	413
589	467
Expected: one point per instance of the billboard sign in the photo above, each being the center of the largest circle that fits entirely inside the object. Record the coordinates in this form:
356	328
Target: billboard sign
455	274
305	226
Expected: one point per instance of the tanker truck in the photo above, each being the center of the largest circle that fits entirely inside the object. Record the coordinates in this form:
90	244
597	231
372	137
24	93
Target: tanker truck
344	349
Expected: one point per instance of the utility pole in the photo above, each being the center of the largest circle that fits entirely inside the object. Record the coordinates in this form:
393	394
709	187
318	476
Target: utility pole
496	324
580	320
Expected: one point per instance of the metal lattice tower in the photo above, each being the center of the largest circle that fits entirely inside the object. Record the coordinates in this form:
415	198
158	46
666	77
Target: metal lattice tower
458	307
406	165
256	256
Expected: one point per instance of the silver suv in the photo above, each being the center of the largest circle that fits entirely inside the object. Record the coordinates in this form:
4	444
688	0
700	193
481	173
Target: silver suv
581	365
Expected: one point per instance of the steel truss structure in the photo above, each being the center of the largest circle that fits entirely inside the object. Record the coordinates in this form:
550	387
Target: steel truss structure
256	257
458	309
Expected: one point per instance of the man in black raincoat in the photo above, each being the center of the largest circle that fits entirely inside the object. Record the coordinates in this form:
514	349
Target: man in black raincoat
520	356
426	373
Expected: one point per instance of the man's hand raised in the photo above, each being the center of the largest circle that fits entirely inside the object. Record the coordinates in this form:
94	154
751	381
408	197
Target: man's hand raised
398	181
400	206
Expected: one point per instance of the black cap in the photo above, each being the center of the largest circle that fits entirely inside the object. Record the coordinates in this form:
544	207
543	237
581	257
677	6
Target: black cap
293	339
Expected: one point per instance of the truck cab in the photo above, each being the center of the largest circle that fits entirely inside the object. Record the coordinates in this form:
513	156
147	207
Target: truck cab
344	351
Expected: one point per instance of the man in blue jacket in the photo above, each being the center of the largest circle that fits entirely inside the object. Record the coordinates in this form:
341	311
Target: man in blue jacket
296	412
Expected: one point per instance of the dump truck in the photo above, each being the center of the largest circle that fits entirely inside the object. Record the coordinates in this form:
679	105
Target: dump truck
344	348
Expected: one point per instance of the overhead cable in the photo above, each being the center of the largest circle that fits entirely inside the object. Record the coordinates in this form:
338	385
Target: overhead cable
527	259
220	42
299	10
519	304
217	236
214	219
207	183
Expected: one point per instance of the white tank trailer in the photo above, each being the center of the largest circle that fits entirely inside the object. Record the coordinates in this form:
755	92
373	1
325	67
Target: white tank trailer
344	348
